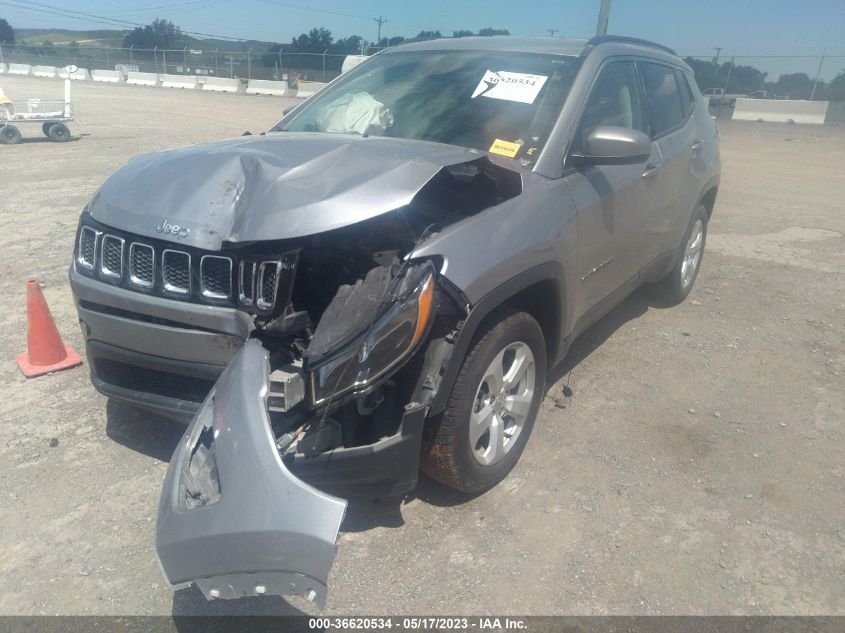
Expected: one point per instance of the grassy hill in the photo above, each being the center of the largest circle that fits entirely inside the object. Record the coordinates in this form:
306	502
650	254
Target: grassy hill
114	38
64	36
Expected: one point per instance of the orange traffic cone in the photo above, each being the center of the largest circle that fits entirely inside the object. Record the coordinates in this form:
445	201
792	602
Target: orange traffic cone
45	351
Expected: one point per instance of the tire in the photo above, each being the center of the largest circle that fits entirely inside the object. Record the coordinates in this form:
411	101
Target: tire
58	133
45	128
10	135
455	451
678	283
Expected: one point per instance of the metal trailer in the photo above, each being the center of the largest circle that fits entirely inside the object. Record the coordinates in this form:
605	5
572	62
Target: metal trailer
51	114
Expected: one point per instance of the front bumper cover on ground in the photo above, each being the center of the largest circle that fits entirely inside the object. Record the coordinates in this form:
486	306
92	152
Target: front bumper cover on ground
267	533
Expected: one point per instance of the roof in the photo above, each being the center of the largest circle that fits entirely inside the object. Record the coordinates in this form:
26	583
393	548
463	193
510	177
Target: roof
548	45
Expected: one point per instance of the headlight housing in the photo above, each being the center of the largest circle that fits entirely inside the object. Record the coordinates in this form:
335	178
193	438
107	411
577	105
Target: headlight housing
394	334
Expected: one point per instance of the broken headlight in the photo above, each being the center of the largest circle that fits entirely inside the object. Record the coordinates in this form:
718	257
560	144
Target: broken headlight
393	335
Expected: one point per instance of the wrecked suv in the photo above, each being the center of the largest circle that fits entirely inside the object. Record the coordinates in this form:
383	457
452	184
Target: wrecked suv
380	283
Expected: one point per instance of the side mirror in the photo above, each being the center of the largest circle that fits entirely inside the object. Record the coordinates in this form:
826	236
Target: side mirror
612	145
287	110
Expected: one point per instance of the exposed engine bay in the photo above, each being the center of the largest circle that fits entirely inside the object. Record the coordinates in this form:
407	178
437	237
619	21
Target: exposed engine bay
352	307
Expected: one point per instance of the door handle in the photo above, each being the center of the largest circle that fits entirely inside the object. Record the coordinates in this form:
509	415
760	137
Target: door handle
651	170
697	145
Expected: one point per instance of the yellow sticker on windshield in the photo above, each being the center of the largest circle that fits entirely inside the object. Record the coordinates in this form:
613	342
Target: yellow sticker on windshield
504	148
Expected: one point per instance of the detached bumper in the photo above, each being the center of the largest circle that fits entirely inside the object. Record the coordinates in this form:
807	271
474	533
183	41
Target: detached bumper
255	529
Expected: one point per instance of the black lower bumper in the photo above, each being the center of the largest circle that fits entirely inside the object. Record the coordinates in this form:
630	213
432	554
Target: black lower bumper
166	386
386	468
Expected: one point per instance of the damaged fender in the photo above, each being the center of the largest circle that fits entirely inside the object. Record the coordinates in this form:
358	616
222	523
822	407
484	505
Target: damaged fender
232	519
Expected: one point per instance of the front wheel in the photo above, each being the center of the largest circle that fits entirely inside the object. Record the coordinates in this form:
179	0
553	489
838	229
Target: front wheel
676	285
491	410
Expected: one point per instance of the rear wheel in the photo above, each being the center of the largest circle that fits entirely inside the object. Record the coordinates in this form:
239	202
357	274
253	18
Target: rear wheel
676	285
10	135
492	407
45	128
58	132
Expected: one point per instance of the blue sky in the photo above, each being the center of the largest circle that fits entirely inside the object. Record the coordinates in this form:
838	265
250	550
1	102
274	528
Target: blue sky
761	28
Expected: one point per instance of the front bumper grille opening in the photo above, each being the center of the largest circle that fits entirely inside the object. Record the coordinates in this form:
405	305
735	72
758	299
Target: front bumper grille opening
176	271
153	381
216	277
141	265
111	258
87	250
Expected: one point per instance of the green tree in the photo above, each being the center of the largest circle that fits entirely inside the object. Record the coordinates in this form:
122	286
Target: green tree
836	88
7	33
350	45
315	41
462	33
793	85
426	35
393	41
705	73
488	31
161	33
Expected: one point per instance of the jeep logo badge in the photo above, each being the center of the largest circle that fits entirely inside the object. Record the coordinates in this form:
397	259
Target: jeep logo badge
172	229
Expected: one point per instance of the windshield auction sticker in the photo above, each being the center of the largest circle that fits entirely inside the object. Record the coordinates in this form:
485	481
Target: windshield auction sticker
507	86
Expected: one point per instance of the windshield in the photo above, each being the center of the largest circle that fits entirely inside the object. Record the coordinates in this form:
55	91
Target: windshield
504	103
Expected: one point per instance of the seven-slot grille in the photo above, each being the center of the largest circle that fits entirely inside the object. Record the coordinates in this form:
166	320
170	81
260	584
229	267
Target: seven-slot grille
174	272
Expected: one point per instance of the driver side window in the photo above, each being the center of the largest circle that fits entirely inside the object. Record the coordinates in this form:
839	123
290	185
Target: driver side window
615	99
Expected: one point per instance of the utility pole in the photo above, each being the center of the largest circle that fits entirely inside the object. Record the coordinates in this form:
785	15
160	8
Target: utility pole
380	21
728	78
604	16
552	32
718	50
818	72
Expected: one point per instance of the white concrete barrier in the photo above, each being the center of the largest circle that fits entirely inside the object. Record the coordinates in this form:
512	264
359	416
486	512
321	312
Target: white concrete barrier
350	61
221	84
780	111
44	71
178	81
109	76
142	79
3	68
308	88
81	74
19	69
264	87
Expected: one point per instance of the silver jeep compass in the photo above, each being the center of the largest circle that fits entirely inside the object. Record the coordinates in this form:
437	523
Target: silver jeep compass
380	283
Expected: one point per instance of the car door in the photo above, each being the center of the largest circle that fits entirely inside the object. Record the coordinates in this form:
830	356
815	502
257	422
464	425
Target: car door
672	127
613	201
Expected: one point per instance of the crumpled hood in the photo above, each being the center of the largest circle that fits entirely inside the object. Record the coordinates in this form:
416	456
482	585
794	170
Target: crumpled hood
270	187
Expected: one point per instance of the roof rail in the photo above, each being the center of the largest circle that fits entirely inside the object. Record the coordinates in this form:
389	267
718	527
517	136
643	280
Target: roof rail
623	39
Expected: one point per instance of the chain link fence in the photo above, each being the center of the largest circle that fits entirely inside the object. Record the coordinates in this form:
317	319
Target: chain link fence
252	64
764	76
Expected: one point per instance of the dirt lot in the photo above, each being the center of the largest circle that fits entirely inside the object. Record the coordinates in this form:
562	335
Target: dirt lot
697	467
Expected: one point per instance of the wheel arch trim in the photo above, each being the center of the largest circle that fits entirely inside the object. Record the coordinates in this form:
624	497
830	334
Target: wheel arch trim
499	296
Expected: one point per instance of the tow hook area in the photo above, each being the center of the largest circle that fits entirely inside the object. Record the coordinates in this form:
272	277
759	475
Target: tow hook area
232	519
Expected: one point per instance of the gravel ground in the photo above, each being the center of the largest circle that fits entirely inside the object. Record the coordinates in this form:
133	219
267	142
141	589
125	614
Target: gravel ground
696	468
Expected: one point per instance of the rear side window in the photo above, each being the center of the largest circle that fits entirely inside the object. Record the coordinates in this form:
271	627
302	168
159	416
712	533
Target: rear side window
614	100
664	99
687	98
